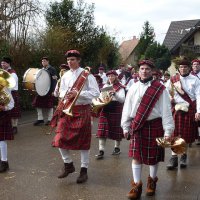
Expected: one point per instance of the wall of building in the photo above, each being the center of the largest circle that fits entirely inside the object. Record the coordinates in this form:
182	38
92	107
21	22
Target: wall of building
197	38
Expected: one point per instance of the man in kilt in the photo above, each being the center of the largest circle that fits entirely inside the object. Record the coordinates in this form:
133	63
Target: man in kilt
6	131
146	115
47	101
110	116
74	132
185	99
15	113
196	72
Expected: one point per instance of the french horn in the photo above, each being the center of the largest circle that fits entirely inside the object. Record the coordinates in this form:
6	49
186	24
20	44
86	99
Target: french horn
177	144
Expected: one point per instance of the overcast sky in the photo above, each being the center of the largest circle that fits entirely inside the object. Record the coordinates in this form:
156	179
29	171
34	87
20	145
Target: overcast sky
125	18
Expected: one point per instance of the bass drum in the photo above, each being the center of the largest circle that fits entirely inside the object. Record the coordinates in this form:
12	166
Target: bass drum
37	81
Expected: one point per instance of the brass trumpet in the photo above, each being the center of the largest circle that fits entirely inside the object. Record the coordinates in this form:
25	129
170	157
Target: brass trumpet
177	144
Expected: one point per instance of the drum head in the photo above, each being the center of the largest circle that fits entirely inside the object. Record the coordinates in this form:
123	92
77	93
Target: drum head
42	82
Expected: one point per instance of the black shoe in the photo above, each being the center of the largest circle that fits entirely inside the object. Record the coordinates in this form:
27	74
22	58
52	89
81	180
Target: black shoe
83	177
116	151
67	169
4	166
38	122
173	163
47	123
183	161
100	155
15	130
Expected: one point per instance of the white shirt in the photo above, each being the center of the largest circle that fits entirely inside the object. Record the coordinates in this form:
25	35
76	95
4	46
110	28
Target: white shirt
191	85
130	83
123	80
161	109
11	103
104	77
119	95
14	75
89	91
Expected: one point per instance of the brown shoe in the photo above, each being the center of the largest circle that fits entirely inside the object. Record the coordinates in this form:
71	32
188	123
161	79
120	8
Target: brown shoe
4	166
83	177
136	191
151	186
67	169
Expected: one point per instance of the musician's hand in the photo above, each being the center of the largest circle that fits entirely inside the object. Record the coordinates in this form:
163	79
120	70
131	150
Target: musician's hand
197	116
127	135
71	94
167	138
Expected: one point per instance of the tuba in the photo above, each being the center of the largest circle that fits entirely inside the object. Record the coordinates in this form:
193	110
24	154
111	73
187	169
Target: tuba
6	81
104	99
177	144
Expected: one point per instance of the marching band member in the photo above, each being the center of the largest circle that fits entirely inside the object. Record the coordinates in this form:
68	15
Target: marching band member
6	131
74	132
146	115
99	81
121	74
15	113
185	98
110	116
47	101
102	74
196	68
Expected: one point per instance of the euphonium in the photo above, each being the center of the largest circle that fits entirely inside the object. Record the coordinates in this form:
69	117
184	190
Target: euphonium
6	81
177	145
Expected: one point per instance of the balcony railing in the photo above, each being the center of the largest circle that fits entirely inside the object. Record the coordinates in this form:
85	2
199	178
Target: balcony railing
190	48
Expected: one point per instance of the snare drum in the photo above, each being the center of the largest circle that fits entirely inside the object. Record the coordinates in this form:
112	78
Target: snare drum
37	80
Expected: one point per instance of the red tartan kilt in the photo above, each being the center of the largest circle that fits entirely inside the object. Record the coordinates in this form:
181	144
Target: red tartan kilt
109	125
74	133
143	146
43	101
16	111
185	125
6	131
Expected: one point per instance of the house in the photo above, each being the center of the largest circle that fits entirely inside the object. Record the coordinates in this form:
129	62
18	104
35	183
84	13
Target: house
126	50
183	37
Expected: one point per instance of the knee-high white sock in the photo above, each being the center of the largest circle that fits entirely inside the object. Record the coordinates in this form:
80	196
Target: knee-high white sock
137	169
85	158
65	155
50	114
14	122
40	114
117	144
153	170
4	151
102	144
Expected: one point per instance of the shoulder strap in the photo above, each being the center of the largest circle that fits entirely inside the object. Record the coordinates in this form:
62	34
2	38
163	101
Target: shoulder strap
147	104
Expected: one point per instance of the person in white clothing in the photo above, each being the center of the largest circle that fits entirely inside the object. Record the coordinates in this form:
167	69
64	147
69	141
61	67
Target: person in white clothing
102	74
146	115
74	132
184	89
110	115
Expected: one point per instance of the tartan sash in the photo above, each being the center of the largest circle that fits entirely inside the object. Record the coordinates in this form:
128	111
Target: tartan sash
147	104
118	86
185	96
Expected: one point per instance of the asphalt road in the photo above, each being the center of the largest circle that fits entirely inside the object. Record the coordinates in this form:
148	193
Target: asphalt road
34	166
